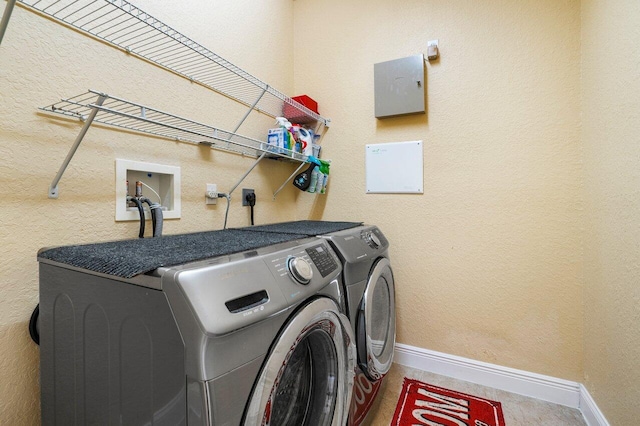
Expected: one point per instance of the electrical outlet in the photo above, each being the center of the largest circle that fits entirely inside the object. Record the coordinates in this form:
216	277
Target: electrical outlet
246	191
211	195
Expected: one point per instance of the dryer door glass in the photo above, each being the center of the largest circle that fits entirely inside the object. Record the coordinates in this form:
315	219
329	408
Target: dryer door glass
307	377
381	311
377	322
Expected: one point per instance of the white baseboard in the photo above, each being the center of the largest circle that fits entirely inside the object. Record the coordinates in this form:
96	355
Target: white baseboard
590	410
546	388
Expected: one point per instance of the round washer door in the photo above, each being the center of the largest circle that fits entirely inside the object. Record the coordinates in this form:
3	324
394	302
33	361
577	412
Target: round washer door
307	378
376	322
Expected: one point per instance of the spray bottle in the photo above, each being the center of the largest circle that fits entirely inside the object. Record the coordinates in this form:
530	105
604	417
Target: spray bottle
316	176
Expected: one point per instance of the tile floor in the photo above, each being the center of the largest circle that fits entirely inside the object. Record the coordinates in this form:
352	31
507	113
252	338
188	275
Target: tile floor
518	410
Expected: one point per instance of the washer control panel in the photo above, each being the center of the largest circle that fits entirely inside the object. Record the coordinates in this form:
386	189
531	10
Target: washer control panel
305	264
323	260
300	269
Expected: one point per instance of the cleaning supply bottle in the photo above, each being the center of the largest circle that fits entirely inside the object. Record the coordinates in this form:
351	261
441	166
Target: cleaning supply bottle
302	181
323	189
315	179
306	138
288	139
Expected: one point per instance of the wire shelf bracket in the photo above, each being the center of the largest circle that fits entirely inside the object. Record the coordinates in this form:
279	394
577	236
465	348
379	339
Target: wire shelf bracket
6	15
96	107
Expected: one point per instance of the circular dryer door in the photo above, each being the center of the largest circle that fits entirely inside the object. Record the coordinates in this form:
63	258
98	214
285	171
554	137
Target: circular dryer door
376	323
307	378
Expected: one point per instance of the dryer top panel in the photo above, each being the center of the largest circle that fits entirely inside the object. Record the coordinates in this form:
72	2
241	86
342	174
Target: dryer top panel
311	228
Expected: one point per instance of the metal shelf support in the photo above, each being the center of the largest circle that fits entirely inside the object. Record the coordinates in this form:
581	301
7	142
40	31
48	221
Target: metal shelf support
5	17
247	172
251	108
288	179
53	188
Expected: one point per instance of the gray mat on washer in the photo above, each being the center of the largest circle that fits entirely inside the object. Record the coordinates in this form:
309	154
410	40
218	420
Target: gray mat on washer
307	227
132	257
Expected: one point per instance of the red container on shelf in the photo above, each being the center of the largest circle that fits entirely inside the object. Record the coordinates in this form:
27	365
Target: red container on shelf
294	115
308	102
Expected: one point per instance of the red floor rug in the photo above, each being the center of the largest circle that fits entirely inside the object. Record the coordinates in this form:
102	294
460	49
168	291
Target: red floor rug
424	404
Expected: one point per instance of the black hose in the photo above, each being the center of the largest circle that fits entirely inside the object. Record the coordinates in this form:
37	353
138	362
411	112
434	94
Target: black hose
153	213
141	211
156	216
34	325
158	219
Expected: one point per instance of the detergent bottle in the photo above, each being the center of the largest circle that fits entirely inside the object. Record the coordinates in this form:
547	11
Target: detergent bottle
306	138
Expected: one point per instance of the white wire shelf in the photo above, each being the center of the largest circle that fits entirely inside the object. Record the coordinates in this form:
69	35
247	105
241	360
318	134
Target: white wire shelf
126	27
132	116
93	106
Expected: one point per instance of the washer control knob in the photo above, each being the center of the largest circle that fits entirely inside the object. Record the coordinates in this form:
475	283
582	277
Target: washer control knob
372	239
300	269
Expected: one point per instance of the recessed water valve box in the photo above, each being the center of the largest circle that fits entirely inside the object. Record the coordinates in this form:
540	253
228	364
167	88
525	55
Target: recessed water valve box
158	182
399	87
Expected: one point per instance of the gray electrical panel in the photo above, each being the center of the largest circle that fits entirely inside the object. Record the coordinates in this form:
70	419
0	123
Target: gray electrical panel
399	86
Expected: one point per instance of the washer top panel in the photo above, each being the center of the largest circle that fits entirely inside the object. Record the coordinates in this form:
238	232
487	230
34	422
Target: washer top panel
129	258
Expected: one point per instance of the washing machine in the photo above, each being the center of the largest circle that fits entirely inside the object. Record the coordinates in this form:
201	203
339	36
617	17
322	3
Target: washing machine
245	328
369	299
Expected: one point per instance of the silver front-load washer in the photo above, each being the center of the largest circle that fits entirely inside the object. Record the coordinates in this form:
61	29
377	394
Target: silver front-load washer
257	337
369	299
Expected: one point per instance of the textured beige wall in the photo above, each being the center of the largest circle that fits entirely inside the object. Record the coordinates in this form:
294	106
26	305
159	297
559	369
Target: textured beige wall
488	260
41	62
611	124
491	261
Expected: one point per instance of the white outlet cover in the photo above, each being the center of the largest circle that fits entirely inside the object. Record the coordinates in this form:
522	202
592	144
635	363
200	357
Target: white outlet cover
211	187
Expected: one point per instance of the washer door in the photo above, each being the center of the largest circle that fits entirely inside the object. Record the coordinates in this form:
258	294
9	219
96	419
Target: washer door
376	322
307	378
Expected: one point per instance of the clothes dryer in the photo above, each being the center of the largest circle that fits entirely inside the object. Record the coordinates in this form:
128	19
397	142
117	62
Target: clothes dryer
256	337
370	301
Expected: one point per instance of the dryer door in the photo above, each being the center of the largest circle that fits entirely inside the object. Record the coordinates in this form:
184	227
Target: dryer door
376	323
307	378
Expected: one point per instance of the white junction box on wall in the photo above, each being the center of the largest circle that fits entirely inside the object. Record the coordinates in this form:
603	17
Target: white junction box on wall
159	183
